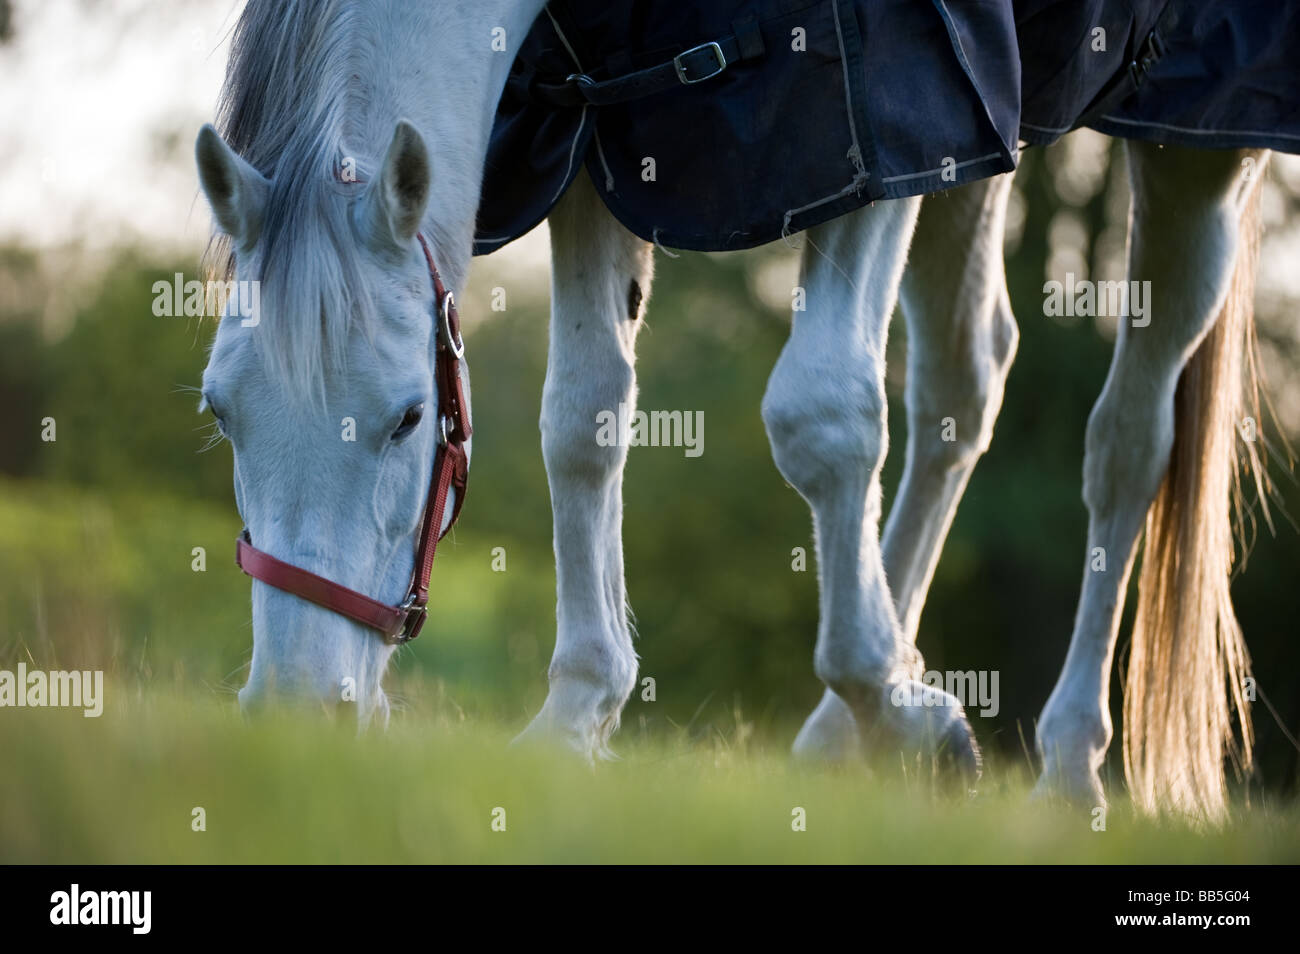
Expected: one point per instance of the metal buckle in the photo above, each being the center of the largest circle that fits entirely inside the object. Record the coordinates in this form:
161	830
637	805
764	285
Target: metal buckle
415	617
681	68
454	342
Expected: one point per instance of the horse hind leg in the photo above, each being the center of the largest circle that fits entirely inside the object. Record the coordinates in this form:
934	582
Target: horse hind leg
600	277
961	340
824	410
1187	238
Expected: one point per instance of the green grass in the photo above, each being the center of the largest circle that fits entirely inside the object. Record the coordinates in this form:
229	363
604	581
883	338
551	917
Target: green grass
122	788
96	581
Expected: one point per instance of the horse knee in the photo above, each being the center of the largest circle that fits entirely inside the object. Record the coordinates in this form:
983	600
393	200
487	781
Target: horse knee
581	423
824	427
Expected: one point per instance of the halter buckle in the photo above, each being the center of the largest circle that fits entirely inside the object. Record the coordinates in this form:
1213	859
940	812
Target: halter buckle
416	614
453	341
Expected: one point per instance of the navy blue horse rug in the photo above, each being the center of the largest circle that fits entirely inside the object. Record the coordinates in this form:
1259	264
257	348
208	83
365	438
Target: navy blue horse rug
724	124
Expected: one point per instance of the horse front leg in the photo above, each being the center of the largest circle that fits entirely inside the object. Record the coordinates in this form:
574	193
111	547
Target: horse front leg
600	278
961	340
825	415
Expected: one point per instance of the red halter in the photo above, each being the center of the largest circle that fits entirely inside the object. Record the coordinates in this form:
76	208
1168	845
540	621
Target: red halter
401	623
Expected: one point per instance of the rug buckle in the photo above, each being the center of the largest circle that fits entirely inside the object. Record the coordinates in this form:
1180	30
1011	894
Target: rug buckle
715	68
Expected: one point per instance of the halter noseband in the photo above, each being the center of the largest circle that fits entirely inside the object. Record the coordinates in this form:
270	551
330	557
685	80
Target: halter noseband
401	623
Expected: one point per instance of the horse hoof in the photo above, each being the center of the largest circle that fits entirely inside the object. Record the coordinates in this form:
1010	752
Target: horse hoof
928	721
1081	789
959	753
543	735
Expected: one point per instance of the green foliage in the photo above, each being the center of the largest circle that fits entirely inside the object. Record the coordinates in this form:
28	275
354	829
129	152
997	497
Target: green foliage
125	420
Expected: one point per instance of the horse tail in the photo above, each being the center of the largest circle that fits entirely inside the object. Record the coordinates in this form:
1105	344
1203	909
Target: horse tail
1188	666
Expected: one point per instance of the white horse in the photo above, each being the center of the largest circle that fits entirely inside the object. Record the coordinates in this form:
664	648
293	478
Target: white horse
404	95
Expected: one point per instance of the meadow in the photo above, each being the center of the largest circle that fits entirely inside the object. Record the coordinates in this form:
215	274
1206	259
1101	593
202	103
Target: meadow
440	787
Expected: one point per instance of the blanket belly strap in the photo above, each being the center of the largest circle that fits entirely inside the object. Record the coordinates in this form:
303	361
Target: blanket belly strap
695	65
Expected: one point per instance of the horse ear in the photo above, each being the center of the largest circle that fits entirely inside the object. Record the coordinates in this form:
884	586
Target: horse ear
236	191
394	204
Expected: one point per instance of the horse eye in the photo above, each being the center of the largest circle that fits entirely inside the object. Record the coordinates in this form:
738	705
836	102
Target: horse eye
216	415
410	421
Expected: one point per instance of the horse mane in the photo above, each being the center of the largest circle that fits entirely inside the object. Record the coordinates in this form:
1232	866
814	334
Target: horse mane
282	106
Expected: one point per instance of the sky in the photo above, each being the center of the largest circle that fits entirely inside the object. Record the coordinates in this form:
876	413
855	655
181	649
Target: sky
98	143
109	97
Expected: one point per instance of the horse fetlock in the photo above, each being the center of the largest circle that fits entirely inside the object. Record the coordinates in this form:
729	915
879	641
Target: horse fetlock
1072	745
855	673
579	715
588	688
596	664
1078	734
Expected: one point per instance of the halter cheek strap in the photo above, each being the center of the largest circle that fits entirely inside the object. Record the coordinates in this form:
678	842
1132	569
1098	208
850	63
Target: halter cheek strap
401	623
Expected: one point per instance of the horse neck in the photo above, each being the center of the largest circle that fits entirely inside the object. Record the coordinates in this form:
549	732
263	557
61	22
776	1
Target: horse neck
435	66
